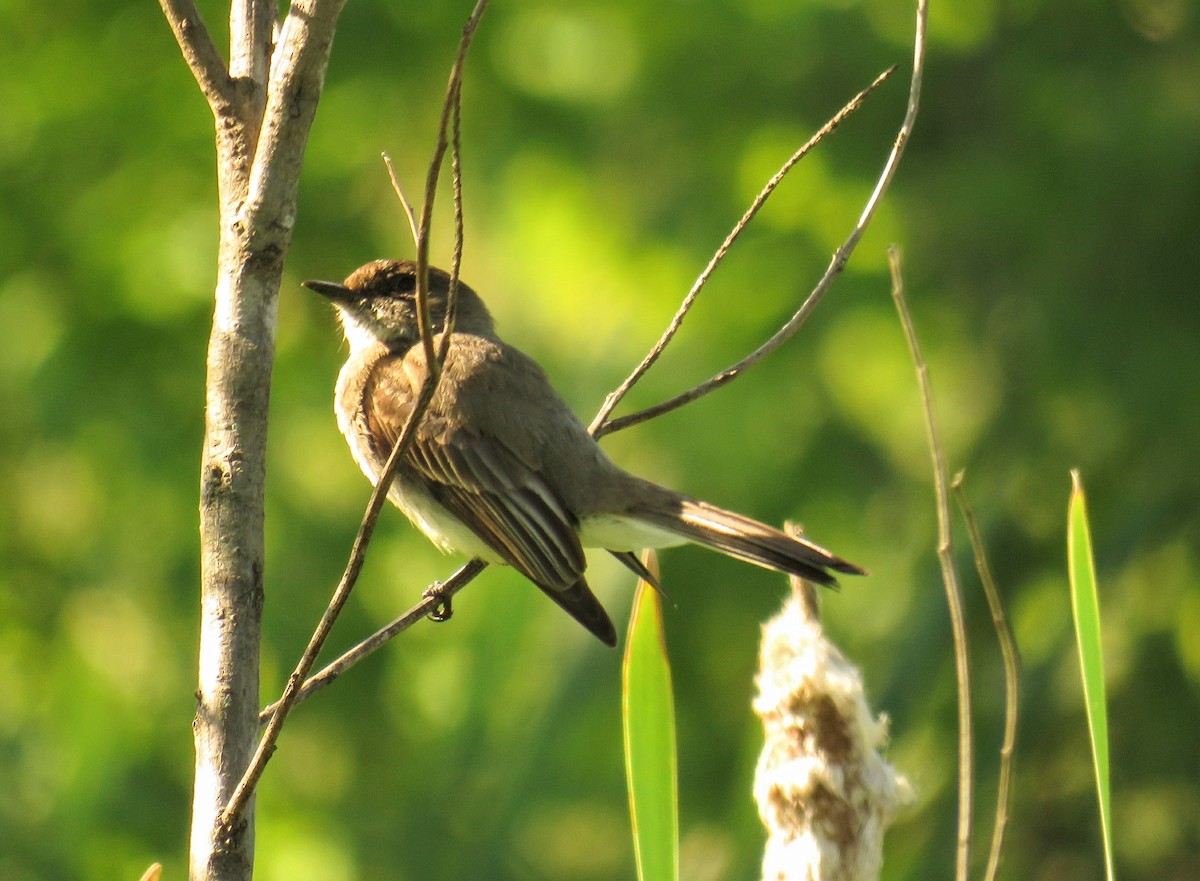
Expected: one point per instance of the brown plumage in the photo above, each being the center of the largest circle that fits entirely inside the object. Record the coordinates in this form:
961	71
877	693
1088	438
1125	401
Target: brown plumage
500	467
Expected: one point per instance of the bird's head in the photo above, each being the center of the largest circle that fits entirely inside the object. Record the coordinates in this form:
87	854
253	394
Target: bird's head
378	303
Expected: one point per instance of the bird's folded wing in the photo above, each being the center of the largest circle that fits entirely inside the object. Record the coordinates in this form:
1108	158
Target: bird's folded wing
483	483
507	506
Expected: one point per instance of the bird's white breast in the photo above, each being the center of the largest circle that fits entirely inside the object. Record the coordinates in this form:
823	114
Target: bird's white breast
619	533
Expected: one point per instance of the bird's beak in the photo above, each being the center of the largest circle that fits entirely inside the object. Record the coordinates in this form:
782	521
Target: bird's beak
339	293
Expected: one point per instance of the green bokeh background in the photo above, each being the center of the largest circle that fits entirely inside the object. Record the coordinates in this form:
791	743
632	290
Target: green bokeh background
1047	209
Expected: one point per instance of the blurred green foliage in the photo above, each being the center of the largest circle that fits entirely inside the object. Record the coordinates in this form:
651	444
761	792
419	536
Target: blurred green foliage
1047	208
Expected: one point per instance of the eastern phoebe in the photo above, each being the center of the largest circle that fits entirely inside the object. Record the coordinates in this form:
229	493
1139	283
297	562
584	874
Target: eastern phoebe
500	468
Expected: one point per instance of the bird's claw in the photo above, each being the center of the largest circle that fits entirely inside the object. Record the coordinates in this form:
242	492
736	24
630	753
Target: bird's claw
442	609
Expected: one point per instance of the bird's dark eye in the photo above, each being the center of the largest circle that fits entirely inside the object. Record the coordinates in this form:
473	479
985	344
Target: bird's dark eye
398	286
394	286
405	286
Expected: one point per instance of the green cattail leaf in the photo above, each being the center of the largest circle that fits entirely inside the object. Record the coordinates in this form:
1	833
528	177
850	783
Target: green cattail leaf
648	707
1085	605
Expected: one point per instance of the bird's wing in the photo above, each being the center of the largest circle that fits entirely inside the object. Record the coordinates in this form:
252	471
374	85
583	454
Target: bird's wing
477	477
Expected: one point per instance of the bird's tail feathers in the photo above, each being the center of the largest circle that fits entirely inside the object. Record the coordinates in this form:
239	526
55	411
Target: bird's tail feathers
746	539
580	603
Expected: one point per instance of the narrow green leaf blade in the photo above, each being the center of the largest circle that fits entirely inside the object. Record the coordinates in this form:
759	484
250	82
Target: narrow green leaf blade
648	707
1085	605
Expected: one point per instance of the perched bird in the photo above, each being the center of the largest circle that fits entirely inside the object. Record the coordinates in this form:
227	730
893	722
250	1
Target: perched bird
500	467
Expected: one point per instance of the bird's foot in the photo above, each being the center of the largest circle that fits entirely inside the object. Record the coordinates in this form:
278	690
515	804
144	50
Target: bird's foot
441	609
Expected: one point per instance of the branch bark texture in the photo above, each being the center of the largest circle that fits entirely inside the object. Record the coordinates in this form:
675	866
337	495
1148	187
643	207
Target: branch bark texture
263	103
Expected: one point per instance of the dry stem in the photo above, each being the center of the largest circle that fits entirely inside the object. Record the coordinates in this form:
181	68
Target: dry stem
838	262
949	577
1012	676
601	425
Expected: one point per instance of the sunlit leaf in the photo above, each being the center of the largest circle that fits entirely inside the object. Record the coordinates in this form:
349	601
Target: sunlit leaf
649	713
1085	604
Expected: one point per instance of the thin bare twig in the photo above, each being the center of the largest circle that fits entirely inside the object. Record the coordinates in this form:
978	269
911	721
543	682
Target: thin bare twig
404	203
1012	677
954	599
438	593
435	166
840	256
266	745
610	403
456	255
200	53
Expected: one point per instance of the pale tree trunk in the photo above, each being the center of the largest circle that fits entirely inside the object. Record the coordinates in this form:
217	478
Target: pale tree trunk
263	105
